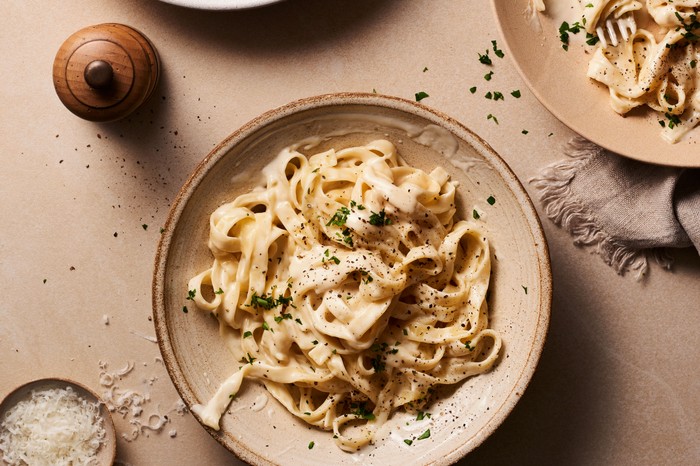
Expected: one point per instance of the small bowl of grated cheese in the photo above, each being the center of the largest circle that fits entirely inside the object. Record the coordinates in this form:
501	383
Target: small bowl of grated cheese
55	422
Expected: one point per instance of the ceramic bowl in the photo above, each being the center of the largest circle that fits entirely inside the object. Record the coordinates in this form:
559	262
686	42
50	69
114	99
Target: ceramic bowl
256	427
107	451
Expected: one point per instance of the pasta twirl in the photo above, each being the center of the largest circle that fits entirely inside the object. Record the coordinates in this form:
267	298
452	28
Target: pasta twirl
656	66
347	287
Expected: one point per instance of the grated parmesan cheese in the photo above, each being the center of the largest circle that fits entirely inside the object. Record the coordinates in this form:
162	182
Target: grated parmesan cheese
53	427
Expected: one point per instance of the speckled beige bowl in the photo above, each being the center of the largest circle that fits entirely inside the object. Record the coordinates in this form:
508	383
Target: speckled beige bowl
256	427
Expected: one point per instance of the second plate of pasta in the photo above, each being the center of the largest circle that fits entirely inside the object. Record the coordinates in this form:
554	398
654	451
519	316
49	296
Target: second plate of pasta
621	74
351	278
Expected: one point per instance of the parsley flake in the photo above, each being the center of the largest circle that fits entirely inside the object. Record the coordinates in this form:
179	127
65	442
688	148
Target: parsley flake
339	217
421	95
379	219
485	59
499	53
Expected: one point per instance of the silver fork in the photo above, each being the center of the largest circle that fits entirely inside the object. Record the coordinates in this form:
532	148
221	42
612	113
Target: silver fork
625	24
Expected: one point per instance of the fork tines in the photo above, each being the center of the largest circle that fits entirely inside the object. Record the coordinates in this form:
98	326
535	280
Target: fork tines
625	24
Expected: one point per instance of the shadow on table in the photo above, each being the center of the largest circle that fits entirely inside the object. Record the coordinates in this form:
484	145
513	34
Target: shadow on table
284	26
557	418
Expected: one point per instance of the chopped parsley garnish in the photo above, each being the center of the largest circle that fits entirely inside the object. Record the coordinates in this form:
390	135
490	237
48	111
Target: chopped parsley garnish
219	291
424	435
311	444
565	29
485	59
144	226
468	345
365	277
498	95
524	131
524	288
362	412
472	89
184	309
379	219
499	53
516	93
673	120
330	258
422	415
248	360
347	237
421	95
475	215
491	200
425	69
265	326
339	217
690	26
191	294
247	334
408	441
354	204
488	76
591	39
489	95
378	364
281	317
491	117
268	302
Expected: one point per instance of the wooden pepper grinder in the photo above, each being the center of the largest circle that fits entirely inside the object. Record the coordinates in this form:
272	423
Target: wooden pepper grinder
105	72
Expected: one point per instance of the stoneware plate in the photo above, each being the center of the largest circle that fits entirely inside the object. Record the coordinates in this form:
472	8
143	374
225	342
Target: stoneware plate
107	452
257	428
558	79
220	4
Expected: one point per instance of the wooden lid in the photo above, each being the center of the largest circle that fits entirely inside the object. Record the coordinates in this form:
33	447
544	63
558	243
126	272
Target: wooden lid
105	72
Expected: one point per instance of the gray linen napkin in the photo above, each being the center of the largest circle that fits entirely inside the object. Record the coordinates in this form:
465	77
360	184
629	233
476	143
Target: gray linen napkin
627	210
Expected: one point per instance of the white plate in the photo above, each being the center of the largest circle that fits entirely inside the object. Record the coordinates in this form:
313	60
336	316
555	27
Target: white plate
220	4
558	79
520	292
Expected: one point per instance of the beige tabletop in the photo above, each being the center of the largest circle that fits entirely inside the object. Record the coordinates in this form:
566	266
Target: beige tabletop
82	205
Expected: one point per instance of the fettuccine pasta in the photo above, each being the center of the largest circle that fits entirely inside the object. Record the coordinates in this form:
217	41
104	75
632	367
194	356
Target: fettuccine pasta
347	287
656	66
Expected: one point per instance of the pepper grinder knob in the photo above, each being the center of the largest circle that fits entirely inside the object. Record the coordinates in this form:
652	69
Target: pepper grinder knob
105	72
99	74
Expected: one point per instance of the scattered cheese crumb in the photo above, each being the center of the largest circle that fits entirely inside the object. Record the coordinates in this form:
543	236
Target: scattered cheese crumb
129	403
